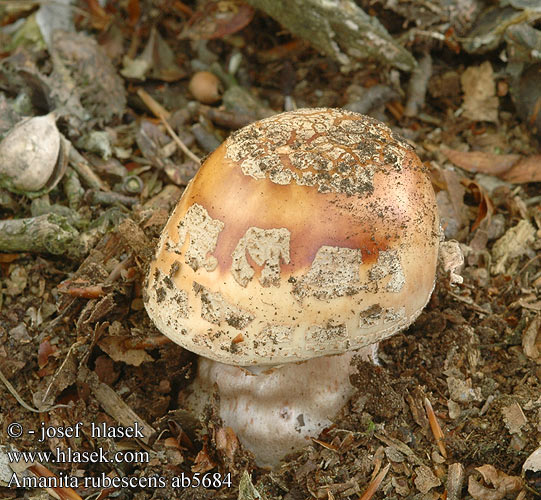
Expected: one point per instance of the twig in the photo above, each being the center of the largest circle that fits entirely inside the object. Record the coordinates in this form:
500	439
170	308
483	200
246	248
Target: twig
21	401
63	493
400	446
469	303
180	144
373	98
374	485
417	86
114	405
49	233
455	481
157	109
73	189
82	167
435	427
161	113
96	197
487	404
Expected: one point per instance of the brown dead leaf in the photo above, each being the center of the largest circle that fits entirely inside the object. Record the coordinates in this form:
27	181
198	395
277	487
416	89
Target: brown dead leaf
526	170
157	61
531	340
501	483
516	242
480	161
425	479
6	258
203	461
134	11
514	418
485	208
45	350
511	168
456	195
118	349
105	369
227	442
216	19
99	18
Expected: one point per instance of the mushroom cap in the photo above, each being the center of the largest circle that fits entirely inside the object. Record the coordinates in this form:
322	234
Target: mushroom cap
305	234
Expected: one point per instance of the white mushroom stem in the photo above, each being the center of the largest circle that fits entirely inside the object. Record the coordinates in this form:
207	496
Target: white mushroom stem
277	411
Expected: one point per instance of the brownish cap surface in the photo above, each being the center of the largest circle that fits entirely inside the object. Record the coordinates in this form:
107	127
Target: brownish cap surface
308	233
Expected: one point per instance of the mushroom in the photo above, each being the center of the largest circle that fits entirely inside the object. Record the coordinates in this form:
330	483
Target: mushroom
304	240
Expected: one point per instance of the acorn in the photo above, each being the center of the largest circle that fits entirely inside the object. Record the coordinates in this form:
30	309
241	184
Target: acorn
205	87
33	156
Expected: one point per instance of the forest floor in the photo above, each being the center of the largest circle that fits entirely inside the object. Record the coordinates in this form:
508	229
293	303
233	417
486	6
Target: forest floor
73	328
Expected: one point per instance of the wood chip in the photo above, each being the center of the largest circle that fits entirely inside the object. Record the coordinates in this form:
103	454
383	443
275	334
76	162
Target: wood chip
425	479
514	418
455	481
113	404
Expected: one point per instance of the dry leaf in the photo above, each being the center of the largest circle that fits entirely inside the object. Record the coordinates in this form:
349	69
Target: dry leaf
456	195
514	243
247	490
45	350
227	442
501	483
157	61
514	418
99	18
532	471
203	461
510	168
216	19
486	207
479	161
116	348
104	368
480	101
526	170
531	340
426	479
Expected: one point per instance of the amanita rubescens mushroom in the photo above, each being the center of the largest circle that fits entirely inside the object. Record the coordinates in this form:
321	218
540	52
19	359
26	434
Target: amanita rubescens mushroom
303	238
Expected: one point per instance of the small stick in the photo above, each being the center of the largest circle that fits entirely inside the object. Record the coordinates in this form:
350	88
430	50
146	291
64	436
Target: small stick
435	427
157	109
374	485
455	481
95	197
48	233
161	113
114	405
417	86
180	144
21	401
82	167
63	493
73	189
83	292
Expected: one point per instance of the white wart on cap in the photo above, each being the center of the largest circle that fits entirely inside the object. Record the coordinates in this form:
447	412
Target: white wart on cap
309	233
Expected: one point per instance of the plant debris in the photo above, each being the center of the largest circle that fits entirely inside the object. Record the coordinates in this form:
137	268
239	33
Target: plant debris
102	111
